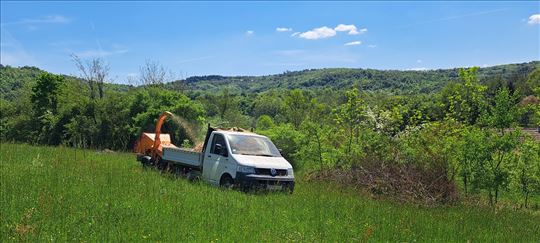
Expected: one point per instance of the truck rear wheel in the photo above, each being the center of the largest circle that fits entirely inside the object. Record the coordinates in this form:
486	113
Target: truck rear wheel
226	181
193	176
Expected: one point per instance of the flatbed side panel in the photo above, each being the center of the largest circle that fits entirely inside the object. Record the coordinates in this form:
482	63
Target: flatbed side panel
182	156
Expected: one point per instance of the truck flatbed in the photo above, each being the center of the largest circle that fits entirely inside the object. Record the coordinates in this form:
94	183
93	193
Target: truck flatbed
182	156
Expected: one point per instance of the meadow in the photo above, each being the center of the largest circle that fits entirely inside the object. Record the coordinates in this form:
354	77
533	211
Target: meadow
66	194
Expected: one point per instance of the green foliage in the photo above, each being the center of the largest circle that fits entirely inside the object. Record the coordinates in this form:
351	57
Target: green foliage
297	107
318	148
45	93
465	101
432	145
349	116
387	81
533	82
525	171
504	112
472	154
264	122
268	103
497	169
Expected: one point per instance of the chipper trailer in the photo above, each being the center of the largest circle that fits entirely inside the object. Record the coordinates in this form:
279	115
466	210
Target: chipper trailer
231	158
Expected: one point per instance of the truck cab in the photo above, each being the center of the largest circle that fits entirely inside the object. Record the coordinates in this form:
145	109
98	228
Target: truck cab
245	160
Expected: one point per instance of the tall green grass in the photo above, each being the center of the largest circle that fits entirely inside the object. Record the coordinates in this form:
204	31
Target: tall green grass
63	194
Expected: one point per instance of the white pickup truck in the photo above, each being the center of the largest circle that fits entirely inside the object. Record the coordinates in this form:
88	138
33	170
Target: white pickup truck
231	159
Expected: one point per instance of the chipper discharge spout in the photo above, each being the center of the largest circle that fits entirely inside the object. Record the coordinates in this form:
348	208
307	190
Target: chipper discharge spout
151	144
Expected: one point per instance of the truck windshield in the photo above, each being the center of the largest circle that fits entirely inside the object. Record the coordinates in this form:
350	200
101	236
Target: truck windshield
252	145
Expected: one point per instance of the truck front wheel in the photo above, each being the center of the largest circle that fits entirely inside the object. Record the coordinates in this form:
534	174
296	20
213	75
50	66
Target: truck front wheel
226	181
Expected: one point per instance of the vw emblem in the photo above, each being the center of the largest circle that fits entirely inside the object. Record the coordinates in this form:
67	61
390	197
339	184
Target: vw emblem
273	172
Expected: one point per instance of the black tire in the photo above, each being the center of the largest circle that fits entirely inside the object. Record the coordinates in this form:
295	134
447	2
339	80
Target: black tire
289	188
226	181
193	176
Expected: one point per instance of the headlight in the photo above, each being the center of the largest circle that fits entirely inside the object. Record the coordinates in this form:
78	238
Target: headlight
246	169
290	172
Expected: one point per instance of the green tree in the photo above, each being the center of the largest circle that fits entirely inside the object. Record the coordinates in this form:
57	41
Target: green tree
297	106
465	101
497	169
316	150
502	141
264	122
44	95
268	103
350	116
525	174
504	112
472	154
225	102
44	98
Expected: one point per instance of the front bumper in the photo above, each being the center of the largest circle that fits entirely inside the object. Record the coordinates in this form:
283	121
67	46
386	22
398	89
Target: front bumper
262	182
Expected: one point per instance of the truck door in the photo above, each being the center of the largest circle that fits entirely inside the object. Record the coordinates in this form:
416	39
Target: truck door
216	159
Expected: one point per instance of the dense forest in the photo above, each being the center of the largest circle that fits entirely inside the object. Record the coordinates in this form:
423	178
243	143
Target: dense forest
388	81
432	131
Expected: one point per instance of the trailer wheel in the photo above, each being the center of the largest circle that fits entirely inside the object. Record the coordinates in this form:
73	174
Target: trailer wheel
146	161
226	181
160	164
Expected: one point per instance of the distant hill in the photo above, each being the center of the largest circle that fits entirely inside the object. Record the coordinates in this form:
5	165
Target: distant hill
14	80
392	81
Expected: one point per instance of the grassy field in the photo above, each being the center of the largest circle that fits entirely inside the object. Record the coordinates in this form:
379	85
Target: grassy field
63	194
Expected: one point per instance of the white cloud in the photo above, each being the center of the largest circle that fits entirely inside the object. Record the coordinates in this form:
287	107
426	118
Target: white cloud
326	32
418	61
54	19
372	46
100	53
283	29
49	19
353	43
534	19
250	32
351	28
418	69
318	33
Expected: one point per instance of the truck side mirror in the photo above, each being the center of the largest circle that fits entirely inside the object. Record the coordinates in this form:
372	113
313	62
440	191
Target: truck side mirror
219	149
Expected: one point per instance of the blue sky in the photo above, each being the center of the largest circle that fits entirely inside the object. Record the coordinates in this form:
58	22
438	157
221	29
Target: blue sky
242	38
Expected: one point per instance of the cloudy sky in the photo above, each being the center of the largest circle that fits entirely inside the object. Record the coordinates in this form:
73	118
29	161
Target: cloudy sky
258	38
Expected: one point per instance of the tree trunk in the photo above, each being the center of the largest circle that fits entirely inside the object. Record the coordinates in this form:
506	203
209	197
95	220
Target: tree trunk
100	90
526	198
496	193
465	184
490	198
319	148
